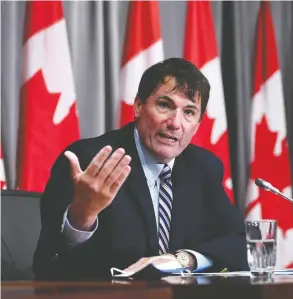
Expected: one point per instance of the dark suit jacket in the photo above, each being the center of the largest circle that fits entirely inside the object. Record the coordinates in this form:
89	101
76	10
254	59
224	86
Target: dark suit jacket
203	218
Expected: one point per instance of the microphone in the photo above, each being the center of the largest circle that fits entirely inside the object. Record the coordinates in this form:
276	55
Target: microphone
269	187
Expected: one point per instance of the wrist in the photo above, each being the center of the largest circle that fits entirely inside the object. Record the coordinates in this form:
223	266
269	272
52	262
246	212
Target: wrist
80	219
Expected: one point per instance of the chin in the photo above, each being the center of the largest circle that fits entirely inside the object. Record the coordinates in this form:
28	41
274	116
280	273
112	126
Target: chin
164	153
166	157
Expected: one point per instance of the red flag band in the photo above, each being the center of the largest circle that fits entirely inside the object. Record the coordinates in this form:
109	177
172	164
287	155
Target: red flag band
2	170
48	120
143	47
269	155
201	49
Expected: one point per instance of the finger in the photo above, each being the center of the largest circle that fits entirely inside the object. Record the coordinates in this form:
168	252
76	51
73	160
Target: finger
119	169
110	164
144	263
136	265
120	180
97	162
163	259
74	164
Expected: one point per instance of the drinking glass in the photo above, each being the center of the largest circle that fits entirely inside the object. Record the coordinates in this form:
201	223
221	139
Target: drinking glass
261	246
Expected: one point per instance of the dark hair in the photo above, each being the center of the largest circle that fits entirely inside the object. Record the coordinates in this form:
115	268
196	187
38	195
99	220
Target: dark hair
189	79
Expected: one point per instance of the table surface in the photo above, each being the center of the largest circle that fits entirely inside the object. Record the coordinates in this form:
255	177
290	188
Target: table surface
279	287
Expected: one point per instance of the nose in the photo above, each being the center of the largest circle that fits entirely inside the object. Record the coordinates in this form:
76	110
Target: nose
174	120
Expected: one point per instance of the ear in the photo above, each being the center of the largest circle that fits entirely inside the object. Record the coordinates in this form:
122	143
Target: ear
137	107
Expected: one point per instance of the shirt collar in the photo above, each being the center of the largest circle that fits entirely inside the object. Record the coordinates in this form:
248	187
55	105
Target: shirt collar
151	166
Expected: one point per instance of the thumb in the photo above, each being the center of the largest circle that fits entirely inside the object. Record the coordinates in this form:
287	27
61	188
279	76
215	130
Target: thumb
74	164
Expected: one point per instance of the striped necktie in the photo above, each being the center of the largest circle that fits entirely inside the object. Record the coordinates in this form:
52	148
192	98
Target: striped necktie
165	208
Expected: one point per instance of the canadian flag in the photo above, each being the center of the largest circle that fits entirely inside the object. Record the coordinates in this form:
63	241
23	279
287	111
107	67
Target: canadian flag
2	171
143	47
201	49
269	155
48	119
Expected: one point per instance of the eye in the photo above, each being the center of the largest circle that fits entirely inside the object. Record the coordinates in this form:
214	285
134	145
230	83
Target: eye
164	105
189	112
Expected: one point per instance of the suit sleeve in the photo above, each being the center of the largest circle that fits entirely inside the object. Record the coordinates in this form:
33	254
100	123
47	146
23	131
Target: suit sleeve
225	241
53	258
74	236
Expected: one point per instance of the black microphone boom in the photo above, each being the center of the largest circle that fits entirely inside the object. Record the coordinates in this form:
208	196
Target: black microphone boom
269	187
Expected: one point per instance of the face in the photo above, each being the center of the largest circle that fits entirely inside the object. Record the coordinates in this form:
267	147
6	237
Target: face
167	121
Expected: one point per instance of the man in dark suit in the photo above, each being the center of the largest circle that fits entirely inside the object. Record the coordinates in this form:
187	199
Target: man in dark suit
142	192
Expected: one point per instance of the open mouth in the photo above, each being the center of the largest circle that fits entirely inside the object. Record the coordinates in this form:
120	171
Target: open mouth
168	138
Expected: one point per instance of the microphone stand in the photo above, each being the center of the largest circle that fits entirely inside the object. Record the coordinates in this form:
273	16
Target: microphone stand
284	196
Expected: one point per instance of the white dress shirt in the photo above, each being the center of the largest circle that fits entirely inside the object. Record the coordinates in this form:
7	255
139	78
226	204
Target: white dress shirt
152	169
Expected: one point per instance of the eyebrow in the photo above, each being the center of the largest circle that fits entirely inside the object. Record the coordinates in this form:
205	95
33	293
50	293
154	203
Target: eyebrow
171	100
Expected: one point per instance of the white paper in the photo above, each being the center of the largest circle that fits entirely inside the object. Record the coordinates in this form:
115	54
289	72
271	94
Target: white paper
284	272
231	274
239	273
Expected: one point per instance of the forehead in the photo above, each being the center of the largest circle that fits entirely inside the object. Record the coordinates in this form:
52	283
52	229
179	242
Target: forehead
168	89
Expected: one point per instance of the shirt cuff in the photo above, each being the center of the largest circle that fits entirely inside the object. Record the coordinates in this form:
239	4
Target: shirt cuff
202	261
73	236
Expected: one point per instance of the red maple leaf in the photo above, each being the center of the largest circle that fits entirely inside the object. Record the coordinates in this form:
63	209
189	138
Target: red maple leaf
274	169
40	140
220	148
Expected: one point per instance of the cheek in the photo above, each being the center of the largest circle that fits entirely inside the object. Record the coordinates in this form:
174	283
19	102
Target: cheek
153	123
189	132
149	127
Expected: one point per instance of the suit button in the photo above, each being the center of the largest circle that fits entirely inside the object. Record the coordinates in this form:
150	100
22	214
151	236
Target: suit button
54	258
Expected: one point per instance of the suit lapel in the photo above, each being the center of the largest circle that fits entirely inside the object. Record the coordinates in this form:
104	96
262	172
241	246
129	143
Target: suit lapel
137	185
186	201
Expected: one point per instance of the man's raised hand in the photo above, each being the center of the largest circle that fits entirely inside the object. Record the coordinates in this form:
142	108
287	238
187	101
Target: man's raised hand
96	187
